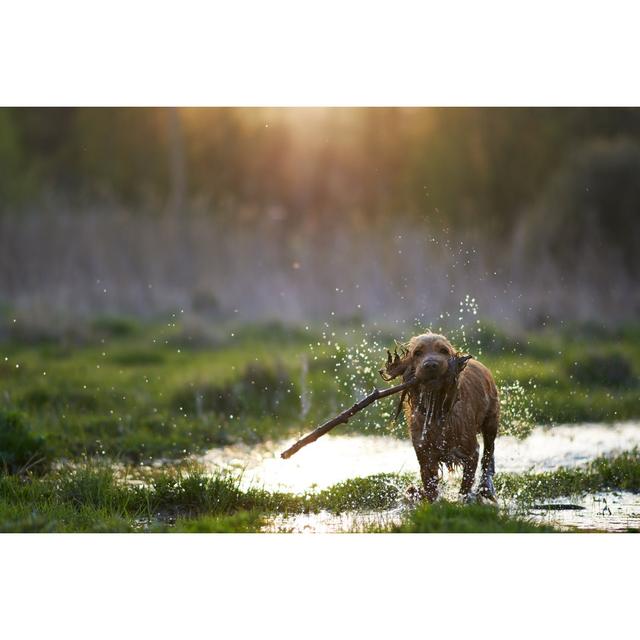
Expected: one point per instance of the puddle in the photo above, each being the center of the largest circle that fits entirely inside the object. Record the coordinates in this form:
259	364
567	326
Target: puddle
610	512
336	458
325	522
602	511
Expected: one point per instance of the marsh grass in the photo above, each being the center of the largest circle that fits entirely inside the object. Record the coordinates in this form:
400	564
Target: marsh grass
241	522
612	370
375	492
100	497
617	473
95	497
132	393
446	517
258	390
20	449
129	391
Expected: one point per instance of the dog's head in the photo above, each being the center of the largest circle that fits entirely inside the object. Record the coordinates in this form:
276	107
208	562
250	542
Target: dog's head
429	358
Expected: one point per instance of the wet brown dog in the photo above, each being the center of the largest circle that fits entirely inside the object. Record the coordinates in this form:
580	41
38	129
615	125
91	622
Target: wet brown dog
454	400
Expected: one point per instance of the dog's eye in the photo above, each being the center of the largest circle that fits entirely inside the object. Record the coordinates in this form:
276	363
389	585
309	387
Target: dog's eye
444	351
418	352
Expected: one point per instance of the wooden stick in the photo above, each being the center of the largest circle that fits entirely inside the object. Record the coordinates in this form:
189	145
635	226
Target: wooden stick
376	394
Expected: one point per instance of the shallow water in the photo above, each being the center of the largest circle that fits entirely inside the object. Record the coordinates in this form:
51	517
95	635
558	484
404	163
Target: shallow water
333	459
336	458
325	522
611	511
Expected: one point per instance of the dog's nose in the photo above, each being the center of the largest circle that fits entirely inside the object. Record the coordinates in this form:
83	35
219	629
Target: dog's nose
430	365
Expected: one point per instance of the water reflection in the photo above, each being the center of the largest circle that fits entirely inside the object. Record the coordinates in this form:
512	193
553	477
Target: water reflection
333	459
336	458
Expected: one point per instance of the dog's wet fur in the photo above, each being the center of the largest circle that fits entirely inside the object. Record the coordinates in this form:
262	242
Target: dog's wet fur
454	399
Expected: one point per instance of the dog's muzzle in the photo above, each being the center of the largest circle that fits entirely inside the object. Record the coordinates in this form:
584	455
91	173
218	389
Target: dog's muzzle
429	370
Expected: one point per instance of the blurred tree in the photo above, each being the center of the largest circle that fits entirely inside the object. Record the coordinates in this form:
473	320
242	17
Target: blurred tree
177	162
472	168
14	177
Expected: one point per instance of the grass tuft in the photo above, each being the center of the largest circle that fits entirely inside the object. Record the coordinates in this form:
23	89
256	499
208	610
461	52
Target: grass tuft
379	491
617	473
445	517
20	449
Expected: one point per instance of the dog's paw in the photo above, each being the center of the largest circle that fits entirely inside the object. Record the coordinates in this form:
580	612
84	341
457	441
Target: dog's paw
487	492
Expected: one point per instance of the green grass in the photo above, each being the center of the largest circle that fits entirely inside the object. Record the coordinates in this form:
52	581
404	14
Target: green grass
20	450
137	396
139	392
376	492
131	393
95	497
241	522
617	473
444	517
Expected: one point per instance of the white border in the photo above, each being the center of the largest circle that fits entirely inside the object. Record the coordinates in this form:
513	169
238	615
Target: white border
318	53
292	52
292	586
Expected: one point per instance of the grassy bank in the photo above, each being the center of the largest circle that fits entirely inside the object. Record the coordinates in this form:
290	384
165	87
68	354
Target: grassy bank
95	497
618	473
139	392
92	499
455	518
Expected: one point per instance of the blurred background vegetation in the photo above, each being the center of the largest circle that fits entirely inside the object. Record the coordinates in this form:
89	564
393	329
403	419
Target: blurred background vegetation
174	280
300	213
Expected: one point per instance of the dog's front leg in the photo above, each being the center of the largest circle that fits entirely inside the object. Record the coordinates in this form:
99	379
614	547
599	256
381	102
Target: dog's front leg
429	472
469	467
429	475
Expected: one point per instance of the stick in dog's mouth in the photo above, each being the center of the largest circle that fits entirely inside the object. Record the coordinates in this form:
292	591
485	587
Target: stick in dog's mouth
343	417
456	364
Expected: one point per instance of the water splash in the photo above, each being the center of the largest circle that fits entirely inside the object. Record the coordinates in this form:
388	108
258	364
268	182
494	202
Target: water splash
516	414
305	398
356	374
464	328
355	356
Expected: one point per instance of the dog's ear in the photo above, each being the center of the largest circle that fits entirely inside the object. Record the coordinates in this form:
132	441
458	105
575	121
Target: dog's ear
460	361
457	363
397	364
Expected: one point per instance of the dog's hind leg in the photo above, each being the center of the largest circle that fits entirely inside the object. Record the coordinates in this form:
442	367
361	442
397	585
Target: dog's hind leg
488	464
